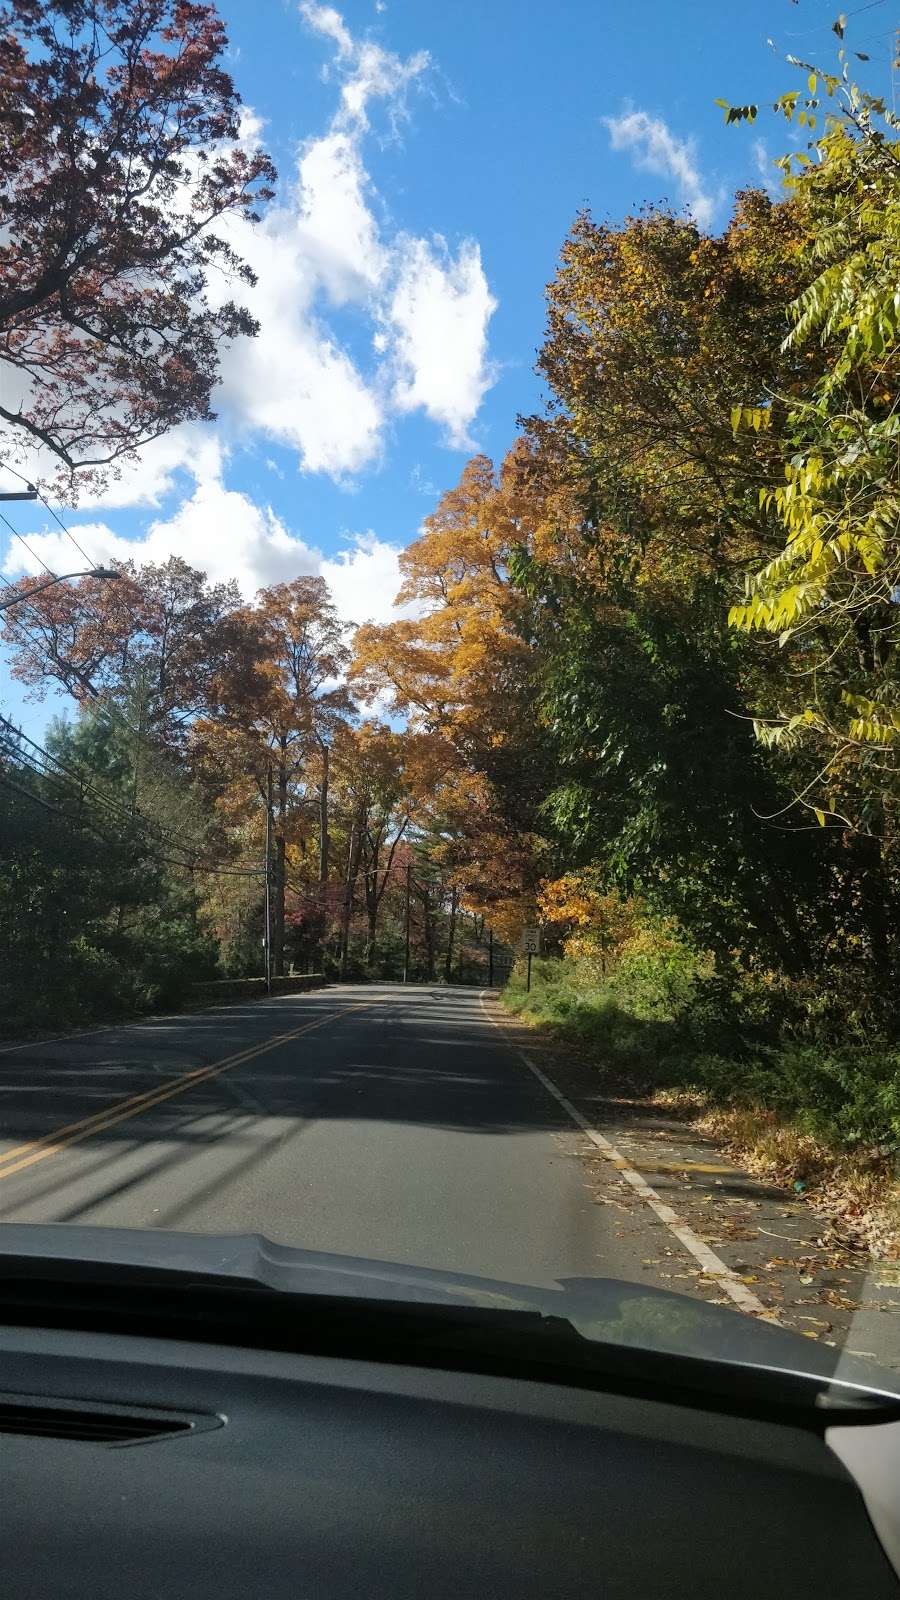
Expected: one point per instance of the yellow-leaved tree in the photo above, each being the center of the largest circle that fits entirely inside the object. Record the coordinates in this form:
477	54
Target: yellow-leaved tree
458	669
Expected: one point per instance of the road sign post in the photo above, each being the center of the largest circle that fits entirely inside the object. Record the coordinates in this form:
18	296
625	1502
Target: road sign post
531	944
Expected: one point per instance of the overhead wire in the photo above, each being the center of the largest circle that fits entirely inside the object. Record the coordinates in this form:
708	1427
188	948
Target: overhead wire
48	507
175	836
48	766
51	766
23	541
153	831
212	869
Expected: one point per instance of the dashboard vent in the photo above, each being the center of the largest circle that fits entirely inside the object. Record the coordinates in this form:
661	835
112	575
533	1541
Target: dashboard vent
93	1423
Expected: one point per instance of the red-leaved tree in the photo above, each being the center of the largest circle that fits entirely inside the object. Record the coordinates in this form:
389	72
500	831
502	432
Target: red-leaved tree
119	156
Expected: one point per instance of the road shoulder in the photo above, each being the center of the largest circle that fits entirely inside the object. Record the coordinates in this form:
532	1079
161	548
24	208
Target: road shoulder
789	1256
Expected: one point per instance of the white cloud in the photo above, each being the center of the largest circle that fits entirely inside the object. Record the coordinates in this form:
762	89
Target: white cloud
365	579
654	148
369	71
195	449
427	309
336	231
325	20
422	312
294	383
217	530
766	168
439	310
227	535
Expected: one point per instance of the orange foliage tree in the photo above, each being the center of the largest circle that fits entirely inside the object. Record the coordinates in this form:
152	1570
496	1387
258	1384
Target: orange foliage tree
275	705
458	669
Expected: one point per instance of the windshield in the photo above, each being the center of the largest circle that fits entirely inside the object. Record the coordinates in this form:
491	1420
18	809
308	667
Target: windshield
449	709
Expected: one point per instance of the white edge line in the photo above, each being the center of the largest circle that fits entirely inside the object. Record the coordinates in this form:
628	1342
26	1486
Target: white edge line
712	1264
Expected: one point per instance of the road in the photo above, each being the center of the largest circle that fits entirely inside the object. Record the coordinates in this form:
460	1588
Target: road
403	1125
397	1124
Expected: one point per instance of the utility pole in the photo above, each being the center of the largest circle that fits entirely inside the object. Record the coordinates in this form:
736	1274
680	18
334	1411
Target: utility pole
406	948
268	935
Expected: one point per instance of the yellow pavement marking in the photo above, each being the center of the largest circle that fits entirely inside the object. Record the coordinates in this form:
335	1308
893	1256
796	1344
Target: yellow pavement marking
51	1144
683	1166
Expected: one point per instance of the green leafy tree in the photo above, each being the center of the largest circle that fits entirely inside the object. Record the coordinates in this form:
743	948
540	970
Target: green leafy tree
831	592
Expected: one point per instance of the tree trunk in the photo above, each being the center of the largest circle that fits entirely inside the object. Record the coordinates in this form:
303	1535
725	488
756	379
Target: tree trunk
428	934
876	903
280	876
324	852
349	886
278	908
135	783
372	898
451	933
323	816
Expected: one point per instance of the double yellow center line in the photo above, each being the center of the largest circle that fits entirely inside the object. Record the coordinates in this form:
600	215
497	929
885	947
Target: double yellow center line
50	1144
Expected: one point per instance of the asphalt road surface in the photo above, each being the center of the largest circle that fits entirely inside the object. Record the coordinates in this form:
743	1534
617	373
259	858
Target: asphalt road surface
405	1125
390	1123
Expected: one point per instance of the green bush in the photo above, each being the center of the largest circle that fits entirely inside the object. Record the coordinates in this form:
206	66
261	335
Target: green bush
657	984
739	1041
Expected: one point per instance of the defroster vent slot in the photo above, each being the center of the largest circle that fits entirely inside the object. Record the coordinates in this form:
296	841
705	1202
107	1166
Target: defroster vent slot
95	1422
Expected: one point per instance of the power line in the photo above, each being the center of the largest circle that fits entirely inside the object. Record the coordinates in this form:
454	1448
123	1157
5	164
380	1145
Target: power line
16	622
52	765
152	832
23	541
54	514
119	812
177	836
100	698
211	869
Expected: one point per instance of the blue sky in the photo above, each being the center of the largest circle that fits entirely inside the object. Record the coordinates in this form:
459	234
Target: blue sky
431	161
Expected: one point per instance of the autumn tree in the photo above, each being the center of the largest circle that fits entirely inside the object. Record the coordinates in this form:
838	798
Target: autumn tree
654	330
459	668
121	165
451	667
153	640
386	781
275	703
592	923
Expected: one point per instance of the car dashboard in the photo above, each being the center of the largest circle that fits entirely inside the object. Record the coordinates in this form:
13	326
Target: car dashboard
153	1467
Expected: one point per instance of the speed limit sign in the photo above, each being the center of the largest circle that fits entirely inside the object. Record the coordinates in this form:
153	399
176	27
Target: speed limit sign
531	941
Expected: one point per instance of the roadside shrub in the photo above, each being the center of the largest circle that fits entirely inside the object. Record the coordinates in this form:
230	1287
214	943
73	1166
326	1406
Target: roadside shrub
667	1019
658	974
